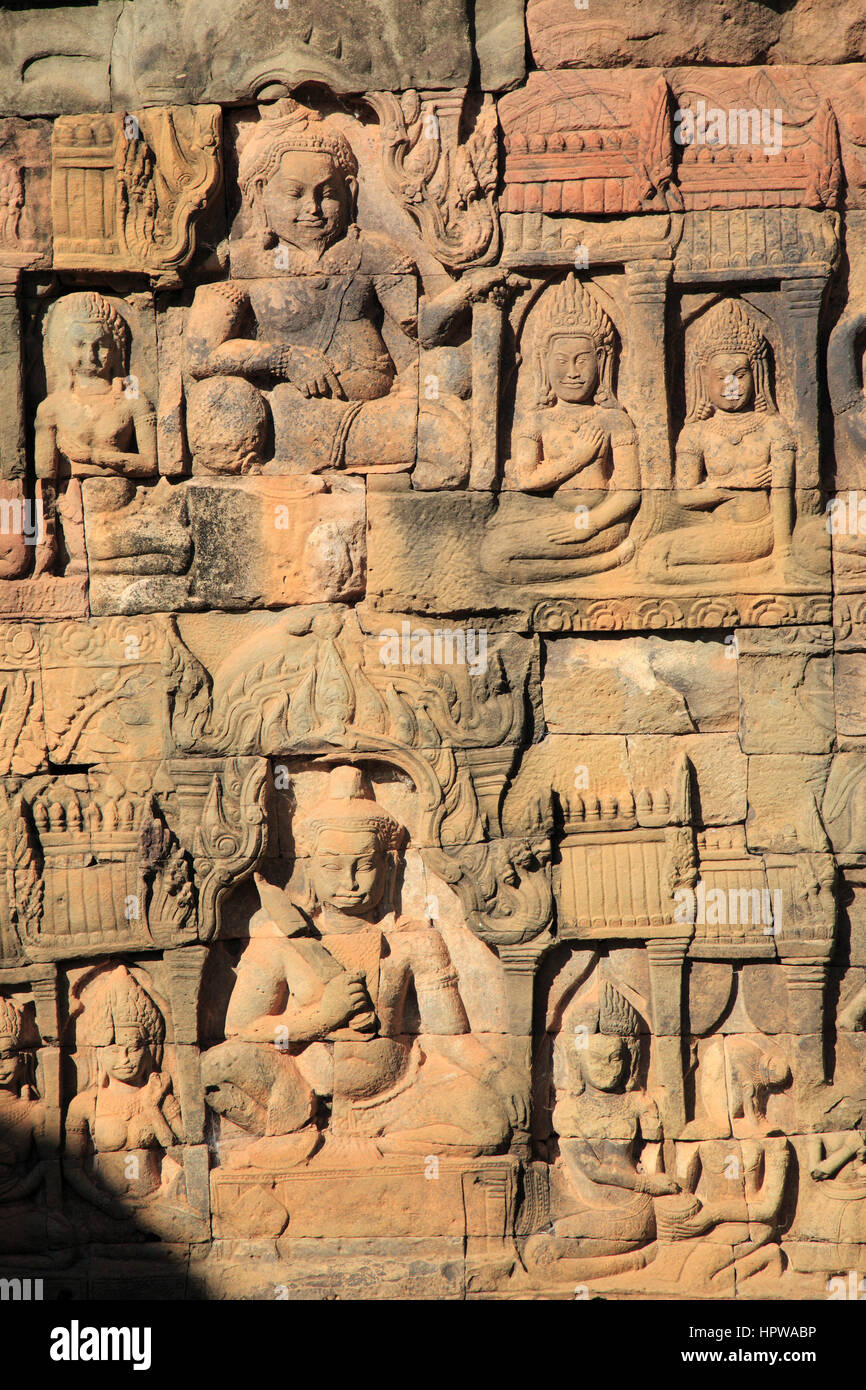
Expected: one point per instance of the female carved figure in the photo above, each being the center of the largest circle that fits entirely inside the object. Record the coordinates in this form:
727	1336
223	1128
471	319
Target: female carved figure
90	425
576	446
735	459
121	1129
601	1199
301	319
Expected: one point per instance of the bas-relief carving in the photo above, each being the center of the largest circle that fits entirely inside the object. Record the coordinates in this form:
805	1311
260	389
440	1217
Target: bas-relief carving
337	979
292	902
574	441
299	321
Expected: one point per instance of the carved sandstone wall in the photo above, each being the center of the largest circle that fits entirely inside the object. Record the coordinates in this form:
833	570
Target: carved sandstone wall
433	648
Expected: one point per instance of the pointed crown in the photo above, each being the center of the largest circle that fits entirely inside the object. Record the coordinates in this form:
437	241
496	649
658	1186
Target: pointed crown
117	1003
570	308
349	803
284	126
11	1025
728	328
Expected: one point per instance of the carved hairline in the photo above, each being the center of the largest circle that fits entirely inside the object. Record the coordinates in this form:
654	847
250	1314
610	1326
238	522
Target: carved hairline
89	306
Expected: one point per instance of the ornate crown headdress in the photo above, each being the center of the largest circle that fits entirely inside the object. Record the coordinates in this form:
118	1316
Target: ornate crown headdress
571	308
284	126
349	802
11	1022
728	328
117	1001
616	1017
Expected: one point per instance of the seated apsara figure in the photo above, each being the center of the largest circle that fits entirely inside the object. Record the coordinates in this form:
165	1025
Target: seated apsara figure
735	463
121	1129
301	320
601	1201
323	1011
95	424
576	447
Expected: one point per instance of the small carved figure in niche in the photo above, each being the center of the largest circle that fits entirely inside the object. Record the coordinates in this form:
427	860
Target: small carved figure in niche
735	459
303	324
24	1225
577	444
121	1130
336	991
726	1223
91	424
601	1199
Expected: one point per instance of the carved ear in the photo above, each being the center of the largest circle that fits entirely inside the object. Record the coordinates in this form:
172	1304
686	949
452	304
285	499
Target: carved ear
279	907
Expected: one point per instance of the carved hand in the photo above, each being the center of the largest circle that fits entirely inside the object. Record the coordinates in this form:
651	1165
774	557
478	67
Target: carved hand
311	372
492	284
342	999
78	451
588	444
516	1107
660	1184
565	532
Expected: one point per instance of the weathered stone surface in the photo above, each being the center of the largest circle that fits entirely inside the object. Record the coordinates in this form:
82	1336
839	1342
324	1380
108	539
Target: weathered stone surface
639	685
433	650
564	35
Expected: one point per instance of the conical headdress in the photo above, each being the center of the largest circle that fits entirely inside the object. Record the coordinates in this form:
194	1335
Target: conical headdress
117	1002
571	308
727	327
349	803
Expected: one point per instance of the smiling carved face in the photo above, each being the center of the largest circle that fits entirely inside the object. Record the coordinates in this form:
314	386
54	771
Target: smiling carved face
308	201
572	366
347	870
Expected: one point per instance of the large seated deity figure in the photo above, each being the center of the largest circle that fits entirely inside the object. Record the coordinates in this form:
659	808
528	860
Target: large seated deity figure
95	424
341	1006
735	463
603	1220
300	322
575	451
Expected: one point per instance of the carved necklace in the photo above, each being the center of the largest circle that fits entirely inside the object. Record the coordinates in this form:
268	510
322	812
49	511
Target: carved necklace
735	433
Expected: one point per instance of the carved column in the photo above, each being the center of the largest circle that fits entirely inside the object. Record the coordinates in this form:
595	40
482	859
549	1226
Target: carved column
520	961
806	978
486	361
12	461
801	308
647	288
185	966
666	961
